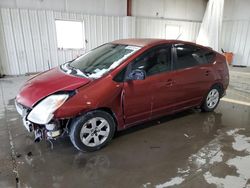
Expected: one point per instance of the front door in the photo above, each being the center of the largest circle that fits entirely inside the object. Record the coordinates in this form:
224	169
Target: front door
137	100
142	97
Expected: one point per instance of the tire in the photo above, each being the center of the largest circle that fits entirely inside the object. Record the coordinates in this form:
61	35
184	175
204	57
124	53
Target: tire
211	100
92	131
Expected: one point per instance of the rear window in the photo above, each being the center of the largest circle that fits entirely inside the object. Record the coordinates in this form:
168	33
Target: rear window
210	56
189	56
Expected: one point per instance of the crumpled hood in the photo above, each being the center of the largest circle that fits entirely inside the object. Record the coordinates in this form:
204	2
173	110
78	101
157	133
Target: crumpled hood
48	83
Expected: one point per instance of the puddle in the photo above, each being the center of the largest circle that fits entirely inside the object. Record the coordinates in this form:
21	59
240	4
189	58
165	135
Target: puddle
211	155
173	181
241	163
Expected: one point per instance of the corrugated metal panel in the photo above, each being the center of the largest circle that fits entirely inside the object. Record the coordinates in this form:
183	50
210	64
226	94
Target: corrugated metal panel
156	28
52	38
31	44
11	66
3	52
236	38
36	38
29	37
28	42
19	41
235	35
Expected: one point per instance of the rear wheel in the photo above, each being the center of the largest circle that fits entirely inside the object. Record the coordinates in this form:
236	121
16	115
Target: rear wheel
212	99
92	131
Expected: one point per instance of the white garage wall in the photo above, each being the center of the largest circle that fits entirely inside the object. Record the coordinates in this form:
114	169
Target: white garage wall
236	39
156	28
96	7
236	30
170	9
2	48
236	10
29	37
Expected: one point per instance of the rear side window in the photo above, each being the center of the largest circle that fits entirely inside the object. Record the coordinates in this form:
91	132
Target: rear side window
154	61
210	56
189	56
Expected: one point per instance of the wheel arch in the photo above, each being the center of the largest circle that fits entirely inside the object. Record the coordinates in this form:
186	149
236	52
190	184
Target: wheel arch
75	129
104	109
109	111
216	84
220	86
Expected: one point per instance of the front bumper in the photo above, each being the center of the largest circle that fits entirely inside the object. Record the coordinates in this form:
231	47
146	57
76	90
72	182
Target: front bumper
48	131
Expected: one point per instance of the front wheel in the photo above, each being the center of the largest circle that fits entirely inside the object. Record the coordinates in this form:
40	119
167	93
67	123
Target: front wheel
212	100
92	131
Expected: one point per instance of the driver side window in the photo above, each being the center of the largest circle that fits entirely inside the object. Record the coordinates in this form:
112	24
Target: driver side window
154	61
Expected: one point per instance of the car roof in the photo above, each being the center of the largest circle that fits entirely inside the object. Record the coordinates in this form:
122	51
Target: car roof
142	42
139	42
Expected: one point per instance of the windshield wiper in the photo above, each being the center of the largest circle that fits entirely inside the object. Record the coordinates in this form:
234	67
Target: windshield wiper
77	71
86	72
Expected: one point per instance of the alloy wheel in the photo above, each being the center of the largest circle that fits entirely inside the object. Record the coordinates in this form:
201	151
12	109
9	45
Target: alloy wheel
94	132
213	98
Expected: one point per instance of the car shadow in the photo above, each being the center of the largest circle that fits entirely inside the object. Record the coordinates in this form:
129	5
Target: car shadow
155	122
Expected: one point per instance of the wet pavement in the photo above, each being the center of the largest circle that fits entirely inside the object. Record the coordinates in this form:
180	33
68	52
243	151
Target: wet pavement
188	149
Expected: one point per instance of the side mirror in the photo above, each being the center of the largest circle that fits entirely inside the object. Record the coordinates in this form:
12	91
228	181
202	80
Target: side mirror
137	74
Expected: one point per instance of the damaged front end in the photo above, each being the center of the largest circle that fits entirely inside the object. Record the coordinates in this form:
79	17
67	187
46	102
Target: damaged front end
49	131
40	119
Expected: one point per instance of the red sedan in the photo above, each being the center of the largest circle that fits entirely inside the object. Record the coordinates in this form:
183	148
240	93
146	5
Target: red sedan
118	85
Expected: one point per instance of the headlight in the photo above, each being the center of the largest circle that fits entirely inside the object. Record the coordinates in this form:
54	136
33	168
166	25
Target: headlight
42	113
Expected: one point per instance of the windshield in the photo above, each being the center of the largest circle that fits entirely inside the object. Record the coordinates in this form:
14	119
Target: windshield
99	61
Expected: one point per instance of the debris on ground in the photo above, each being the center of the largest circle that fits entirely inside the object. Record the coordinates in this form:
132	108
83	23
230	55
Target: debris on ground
29	154
18	155
155	147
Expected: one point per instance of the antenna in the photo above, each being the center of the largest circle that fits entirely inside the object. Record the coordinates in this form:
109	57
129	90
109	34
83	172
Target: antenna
178	36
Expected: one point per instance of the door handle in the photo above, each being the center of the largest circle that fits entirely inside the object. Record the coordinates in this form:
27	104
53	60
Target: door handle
169	83
207	72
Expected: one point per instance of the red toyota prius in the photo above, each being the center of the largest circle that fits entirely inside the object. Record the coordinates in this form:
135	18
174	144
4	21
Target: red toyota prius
118	85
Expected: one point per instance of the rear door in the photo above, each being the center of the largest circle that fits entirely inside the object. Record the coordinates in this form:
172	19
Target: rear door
193	74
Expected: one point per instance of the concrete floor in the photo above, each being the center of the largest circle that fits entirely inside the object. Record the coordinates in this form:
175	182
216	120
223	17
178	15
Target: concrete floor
188	149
